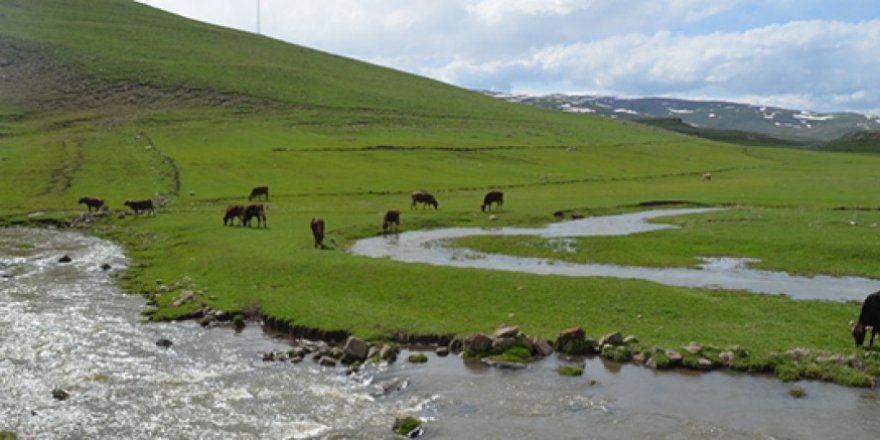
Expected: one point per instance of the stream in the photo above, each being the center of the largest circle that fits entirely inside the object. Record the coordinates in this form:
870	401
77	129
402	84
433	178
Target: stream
68	326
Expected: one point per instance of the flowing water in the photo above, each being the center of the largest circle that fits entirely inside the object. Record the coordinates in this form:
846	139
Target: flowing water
66	325
432	247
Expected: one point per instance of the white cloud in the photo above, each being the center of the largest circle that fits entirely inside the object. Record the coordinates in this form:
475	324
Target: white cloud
624	48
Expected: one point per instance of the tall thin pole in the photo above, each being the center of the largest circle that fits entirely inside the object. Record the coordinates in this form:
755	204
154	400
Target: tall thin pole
258	17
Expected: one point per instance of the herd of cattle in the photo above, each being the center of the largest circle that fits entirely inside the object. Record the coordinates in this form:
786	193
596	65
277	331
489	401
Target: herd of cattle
869	317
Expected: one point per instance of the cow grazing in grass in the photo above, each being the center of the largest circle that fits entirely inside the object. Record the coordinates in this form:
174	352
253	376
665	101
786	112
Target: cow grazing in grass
92	202
392	217
139	206
257	211
425	198
317	226
707	177
496	197
869	317
260	191
234	212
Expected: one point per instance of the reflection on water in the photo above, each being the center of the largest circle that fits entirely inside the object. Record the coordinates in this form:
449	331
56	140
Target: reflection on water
67	326
432	247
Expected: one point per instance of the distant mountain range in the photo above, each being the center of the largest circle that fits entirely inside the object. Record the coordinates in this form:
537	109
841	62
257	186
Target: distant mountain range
785	125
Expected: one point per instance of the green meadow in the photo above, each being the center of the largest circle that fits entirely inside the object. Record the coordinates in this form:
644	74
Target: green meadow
155	105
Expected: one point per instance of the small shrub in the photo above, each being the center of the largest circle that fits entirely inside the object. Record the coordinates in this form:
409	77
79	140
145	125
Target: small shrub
238	321
517	353
797	392
570	371
787	372
406	425
417	358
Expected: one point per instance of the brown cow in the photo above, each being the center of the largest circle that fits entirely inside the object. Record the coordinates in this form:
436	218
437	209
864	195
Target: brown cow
257	211
234	212
318	231
425	198
259	191
92	202
391	217
491	197
141	205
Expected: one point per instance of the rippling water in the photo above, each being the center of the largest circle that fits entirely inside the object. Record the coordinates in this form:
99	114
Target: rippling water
68	326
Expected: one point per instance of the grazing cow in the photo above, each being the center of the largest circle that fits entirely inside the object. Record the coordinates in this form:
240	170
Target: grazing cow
141	205
234	212
707	177
318	231
92	202
257	211
391	217
425	198
869	317
259	191
496	197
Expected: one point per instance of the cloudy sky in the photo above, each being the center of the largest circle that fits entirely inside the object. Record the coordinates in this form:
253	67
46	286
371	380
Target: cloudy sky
821	55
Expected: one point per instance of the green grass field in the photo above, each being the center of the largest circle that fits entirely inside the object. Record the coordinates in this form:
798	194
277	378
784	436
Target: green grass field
157	105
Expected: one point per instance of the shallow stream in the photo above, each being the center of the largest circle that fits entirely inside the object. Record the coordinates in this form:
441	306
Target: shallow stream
432	247
66	325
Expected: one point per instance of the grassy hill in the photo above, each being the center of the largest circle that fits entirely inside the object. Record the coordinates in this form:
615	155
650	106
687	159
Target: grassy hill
728	136
857	142
118	100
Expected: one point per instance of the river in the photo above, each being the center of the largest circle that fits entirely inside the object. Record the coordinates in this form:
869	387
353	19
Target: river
67	325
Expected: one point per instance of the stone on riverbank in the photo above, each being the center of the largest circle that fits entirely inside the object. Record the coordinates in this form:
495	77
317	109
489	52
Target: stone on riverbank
442	351
60	394
506	332
477	343
573	341
355	349
65	259
165	343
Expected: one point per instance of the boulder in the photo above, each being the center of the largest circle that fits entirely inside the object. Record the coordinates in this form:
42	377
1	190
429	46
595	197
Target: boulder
693	348
477	343
573	341
726	358
106	267
631	339
356	349
327	361
674	357
442	351
60	394
373	351
501	344
388	353
164	343
336	353
508	331
638	358
389	386
65	259
455	345
613	339
540	346
296	359
704	364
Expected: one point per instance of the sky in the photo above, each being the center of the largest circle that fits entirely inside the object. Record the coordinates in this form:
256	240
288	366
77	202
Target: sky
818	55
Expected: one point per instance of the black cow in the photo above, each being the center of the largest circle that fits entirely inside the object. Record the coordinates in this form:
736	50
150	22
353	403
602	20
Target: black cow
391	217
92	202
869	317
234	212
141	205
317	226
257	211
425	198
260	191
496	197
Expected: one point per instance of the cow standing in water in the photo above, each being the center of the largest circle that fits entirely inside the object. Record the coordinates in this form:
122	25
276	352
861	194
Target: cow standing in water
260	191
869	317
392	217
317	226
141	205
234	212
496	197
92	202
425	198
254	211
